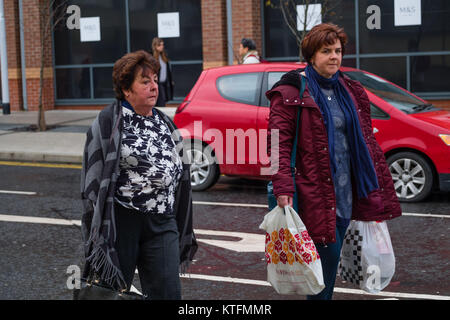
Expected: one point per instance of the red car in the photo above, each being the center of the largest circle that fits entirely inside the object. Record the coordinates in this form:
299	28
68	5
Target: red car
224	122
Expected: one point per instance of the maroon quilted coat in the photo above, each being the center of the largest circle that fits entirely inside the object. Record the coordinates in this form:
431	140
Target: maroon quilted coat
313	179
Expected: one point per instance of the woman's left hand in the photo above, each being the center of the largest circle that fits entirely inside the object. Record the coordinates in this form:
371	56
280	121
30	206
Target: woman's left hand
284	201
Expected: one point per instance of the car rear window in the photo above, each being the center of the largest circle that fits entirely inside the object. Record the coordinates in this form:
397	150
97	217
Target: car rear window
272	78
242	87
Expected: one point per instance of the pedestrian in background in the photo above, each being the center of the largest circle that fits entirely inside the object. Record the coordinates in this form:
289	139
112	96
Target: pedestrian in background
341	173
247	51
165	80
136	191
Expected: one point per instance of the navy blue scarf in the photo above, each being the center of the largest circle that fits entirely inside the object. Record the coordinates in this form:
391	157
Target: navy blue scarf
361	162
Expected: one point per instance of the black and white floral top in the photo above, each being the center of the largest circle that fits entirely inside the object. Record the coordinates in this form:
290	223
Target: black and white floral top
150	167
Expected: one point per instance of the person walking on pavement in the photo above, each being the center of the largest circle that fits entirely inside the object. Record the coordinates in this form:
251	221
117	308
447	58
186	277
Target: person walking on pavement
247	51
136	192
341	173
165	81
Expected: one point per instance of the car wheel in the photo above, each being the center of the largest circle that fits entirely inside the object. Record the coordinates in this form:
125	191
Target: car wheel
204	169
412	176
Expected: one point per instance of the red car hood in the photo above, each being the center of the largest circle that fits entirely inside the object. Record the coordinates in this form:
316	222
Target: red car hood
439	118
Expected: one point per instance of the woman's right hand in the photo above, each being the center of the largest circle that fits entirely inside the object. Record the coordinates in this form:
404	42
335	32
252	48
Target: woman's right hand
284	201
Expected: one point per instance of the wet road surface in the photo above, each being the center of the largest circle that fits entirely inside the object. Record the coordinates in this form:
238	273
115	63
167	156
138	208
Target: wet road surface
35	254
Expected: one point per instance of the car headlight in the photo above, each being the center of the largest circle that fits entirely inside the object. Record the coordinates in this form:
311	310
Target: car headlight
445	138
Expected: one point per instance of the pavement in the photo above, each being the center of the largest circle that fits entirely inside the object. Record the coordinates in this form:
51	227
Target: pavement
63	142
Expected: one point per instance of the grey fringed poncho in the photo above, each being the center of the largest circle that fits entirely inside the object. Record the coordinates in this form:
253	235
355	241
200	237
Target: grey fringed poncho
98	181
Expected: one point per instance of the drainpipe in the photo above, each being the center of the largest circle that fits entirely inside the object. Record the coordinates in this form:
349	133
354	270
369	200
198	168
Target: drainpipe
22	58
4	62
230	33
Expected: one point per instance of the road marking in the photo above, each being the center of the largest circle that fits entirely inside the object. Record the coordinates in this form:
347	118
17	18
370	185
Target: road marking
225	279
426	215
250	205
208	203
337	290
28	219
37	164
27	193
228	204
249	242
205	203
54	221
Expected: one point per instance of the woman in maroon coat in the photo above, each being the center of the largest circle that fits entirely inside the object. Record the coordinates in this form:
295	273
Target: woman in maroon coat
341	173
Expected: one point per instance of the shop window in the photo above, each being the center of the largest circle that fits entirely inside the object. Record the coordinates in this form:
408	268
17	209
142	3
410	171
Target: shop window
431	35
103	85
383	67
144	27
73	83
184	51
430	73
185	76
70	50
280	42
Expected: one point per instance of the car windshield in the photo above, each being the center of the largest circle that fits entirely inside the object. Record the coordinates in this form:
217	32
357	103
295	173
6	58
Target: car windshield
397	97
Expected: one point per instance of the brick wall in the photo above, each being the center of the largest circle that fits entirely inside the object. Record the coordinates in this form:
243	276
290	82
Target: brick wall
443	104
246	20
13	51
246	23
32	20
214	33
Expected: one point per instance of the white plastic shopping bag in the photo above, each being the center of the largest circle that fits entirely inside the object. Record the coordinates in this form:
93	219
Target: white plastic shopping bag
367	256
293	263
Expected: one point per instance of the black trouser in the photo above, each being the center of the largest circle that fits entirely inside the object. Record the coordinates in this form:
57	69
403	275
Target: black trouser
330	255
150	243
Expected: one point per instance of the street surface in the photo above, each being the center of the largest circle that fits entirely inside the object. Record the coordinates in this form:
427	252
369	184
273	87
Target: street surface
41	239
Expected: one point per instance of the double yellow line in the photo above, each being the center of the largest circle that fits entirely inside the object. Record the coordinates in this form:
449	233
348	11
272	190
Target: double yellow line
42	165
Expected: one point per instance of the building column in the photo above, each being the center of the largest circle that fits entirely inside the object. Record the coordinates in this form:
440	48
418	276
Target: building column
13	46
33	21
246	23
214	33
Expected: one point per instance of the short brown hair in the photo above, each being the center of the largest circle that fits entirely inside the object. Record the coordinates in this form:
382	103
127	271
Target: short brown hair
124	70
320	35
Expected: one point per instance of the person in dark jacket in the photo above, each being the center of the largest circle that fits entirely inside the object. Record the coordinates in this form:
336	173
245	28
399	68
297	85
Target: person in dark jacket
137	201
165	80
341	173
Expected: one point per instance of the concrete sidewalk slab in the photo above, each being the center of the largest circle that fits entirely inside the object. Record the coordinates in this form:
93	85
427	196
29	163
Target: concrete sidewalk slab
52	117
58	147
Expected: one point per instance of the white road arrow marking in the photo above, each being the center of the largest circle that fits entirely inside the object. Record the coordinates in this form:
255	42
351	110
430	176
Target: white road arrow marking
249	242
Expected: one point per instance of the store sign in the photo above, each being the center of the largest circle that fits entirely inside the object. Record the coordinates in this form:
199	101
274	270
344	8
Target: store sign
407	13
90	29
168	25
310	14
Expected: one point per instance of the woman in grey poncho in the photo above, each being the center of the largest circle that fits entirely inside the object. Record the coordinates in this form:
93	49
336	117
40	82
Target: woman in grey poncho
135	188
